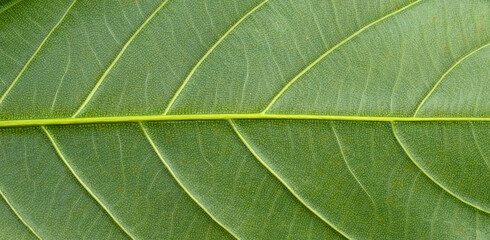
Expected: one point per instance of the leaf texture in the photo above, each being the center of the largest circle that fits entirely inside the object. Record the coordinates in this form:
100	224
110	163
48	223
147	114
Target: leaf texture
256	119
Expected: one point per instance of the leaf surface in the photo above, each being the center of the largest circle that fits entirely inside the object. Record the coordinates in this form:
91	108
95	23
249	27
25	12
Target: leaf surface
257	119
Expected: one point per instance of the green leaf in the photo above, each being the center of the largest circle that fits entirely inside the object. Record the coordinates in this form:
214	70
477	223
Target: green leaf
253	119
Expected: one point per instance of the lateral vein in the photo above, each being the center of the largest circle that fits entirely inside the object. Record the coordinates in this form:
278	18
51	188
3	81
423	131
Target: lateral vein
16	79
407	152
123	49
424	100
198	64
311	65
167	166
92	194
283	182
18	215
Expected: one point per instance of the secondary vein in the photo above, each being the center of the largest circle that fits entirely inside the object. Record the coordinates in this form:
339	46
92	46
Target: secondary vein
2	195
311	65
106	72
16	79
410	156
92	194
424	100
282	181
177	179
198	64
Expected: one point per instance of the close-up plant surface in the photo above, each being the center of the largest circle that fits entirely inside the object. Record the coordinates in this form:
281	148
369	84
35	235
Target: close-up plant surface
246	119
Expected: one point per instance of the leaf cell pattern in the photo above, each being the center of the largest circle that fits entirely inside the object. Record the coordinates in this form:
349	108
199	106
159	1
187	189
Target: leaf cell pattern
256	119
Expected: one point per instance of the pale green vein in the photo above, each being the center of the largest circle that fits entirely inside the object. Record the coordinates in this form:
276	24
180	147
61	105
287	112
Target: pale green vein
113	63
407	207
18	215
286	184
473	135
349	168
9	5
146	118
307	68
16	79
444	76
92	194
198	64
434	214
476	226
407	152
162	159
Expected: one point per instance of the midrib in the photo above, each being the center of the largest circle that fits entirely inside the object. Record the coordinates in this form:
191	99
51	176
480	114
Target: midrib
225	116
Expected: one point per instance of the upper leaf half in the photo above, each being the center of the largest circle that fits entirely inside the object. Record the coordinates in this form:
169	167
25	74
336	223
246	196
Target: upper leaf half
390	58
